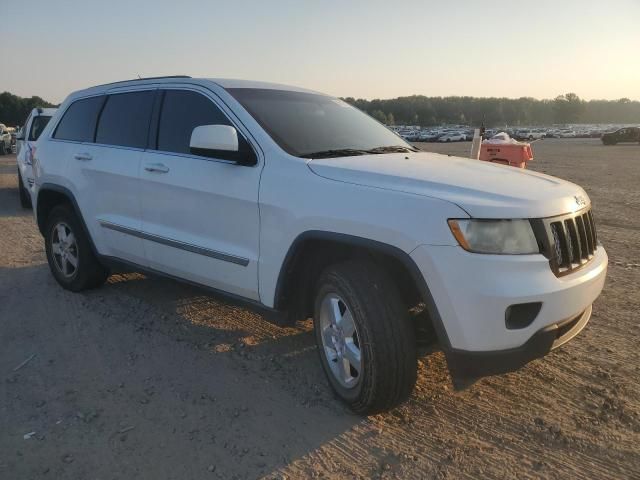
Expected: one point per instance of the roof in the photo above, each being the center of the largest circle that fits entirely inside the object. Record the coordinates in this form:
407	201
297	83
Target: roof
222	82
45	111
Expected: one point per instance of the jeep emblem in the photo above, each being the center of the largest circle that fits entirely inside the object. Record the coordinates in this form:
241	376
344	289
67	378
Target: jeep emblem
580	201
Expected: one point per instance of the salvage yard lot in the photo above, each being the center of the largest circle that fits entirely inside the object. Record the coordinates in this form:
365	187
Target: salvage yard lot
150	378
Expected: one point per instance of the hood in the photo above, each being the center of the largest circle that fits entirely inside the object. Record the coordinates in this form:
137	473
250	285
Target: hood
482	189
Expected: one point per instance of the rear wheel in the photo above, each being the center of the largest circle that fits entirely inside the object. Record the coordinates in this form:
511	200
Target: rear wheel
365	338
25	197
69	253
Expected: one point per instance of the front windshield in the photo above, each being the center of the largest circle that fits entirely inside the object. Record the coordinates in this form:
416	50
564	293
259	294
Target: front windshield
313	125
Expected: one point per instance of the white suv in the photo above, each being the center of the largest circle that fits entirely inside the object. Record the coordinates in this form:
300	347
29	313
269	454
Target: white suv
25	148
293	201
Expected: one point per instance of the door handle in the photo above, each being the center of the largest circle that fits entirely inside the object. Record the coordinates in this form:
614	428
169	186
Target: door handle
83	156
156	167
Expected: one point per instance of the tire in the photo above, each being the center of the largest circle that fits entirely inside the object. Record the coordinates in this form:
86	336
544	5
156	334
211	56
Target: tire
25	197
382	335
3	148
88	272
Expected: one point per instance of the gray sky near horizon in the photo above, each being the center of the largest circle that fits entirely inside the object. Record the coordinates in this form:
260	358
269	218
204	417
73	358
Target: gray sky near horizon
370	49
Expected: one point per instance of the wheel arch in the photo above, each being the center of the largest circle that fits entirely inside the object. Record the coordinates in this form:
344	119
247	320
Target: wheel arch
51	195
346	243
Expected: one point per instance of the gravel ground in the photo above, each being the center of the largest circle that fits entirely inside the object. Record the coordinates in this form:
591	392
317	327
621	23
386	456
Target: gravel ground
148	378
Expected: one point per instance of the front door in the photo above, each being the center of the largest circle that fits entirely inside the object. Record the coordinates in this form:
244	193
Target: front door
200	215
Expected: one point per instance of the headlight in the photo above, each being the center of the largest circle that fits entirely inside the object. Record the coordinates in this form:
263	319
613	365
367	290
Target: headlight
495	236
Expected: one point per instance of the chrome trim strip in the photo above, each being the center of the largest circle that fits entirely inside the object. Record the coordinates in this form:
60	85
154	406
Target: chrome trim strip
176	244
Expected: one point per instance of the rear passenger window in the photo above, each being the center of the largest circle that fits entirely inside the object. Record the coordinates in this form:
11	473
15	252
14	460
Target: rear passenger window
182	111
79	121
125	119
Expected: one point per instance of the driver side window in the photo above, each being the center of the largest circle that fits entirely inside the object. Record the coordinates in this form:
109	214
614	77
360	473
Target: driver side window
181	112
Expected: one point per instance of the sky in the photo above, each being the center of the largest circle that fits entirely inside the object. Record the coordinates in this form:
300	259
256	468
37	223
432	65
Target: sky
364	49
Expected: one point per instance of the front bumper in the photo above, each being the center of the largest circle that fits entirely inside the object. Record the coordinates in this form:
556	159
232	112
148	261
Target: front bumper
472	292
469	365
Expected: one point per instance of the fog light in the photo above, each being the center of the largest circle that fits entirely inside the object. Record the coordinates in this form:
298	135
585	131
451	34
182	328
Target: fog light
521	315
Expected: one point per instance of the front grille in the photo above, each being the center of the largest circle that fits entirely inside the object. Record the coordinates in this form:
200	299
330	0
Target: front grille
569	241
574	242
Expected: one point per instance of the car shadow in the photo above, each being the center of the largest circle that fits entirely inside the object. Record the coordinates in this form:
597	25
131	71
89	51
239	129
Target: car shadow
261	378
9	194
10	203
252	385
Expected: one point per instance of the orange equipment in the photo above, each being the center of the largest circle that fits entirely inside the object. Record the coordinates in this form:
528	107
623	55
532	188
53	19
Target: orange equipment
513	154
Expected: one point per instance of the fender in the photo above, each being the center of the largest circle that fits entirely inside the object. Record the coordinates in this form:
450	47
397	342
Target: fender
52	187
403	257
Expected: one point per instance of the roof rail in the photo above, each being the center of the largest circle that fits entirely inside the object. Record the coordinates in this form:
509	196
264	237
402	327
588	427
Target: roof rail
141	78
163	76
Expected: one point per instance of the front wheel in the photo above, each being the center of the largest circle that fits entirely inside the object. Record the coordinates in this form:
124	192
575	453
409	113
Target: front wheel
365	337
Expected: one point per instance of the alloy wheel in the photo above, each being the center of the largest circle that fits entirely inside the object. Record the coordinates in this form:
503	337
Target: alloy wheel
64	248
340	341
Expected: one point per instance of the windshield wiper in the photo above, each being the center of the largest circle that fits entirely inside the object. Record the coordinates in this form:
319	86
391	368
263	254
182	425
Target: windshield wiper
350	152
393	149
341	152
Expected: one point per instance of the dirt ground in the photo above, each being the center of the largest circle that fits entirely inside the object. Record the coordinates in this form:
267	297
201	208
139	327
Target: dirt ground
148	378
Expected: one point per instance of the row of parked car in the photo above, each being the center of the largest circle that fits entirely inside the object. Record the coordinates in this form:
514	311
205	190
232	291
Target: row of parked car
447	134
610	134
7	139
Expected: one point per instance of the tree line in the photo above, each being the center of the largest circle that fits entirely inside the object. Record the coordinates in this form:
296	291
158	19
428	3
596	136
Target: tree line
14	110
429	111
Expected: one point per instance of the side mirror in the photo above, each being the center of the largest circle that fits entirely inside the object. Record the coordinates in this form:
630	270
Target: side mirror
220	141
20	135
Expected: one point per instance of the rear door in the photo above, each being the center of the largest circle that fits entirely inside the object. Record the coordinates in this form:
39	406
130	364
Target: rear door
33	128
21	143
106	141
200	214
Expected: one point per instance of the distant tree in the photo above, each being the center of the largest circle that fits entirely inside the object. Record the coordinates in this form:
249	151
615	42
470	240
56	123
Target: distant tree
390	119
380	116
568	108
499	112
14	110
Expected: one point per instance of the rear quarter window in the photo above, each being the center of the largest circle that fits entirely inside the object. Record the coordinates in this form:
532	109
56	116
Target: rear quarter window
79	121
